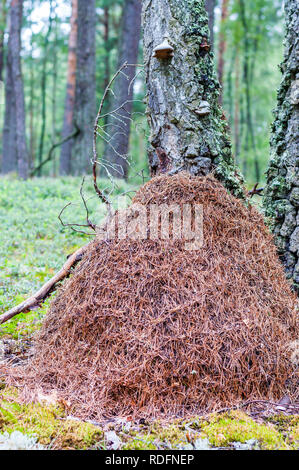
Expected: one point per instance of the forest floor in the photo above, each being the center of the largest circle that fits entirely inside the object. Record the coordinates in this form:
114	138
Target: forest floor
33	246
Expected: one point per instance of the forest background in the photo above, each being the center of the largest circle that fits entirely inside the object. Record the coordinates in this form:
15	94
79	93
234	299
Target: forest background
248	47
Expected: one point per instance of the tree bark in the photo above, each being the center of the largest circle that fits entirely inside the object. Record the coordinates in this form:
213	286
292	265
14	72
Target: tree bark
31	98
66	149
222	46
16	14
246	74
54	92
44	85
9	149
2	30
85	95
282	191
188	129
237	108
106	45
210	7
117	149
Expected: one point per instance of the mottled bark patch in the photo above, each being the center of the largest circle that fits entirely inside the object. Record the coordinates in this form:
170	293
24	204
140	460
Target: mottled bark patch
185	118
282	194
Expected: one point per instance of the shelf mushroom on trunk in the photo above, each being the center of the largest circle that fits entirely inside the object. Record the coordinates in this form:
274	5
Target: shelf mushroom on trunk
163	50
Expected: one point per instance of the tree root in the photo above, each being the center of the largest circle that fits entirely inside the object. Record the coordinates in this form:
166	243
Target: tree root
39	297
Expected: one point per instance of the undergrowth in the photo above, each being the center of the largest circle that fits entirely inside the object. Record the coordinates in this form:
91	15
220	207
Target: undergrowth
33	243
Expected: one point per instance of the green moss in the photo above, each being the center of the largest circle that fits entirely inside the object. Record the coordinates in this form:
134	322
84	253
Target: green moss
222	430
139	442
236	426
47	422
288	426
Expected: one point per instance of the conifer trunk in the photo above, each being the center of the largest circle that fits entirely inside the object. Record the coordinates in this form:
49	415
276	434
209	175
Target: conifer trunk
66	148
222	47
210	7
16	15
282	192
85	95
9	148
188	129
116	152
2	30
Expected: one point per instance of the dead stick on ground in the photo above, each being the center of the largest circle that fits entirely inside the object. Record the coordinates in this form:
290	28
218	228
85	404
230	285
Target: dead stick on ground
39	297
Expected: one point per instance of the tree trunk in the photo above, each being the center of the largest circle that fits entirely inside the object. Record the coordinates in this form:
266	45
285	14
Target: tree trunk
117	149
85	95
9	149
54	92
16	14
31	98
106	45
188	129
210	7
246	74
222	47
44	87
237	108
66	148
229	91
2	30
282	192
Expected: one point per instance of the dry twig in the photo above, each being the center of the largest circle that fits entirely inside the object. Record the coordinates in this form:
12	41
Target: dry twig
39	297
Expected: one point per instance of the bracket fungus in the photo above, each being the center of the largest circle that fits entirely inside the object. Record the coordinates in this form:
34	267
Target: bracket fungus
205	46
203	109
163	50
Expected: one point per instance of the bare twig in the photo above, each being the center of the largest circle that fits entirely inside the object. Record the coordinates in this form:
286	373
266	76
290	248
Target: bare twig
107	138
89	223
95	133
73	225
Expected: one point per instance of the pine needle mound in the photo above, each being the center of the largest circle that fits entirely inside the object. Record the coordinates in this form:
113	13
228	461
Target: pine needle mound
148	328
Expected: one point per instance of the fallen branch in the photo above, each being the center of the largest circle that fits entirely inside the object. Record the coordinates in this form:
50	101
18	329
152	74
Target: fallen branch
54	146
39	297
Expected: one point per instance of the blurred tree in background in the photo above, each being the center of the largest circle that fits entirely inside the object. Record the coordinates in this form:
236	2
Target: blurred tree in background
253	35
248	39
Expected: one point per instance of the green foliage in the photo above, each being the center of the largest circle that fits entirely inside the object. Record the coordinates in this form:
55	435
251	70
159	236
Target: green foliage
33	243
48	422
264	21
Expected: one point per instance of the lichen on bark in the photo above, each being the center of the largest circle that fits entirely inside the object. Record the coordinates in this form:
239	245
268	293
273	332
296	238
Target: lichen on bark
281	200
180	88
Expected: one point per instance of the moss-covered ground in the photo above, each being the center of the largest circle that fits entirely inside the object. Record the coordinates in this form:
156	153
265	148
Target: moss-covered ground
54	429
